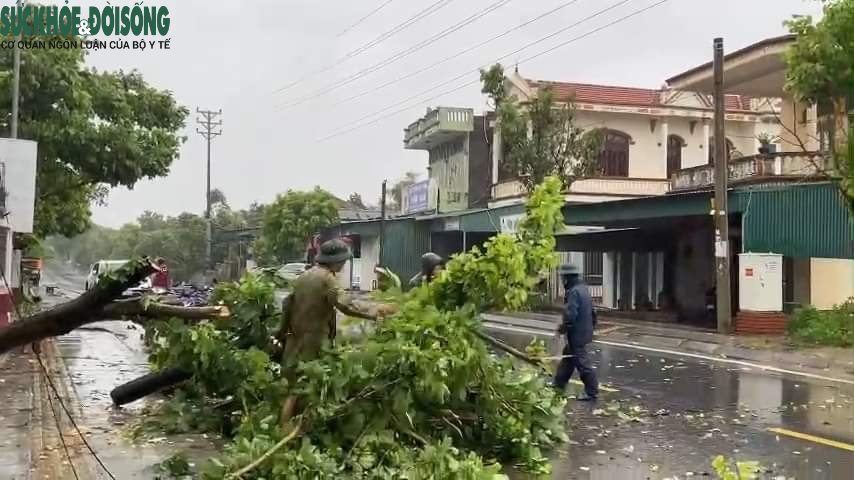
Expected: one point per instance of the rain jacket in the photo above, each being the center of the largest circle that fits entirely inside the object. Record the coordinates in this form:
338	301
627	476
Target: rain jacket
309	317
579	318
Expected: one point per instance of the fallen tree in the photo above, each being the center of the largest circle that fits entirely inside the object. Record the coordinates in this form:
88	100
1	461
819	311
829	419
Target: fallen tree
99	303
422	397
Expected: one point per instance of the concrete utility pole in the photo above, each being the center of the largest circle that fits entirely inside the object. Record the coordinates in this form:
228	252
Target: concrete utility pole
719	210
16	83
382	221
208	132
497	148
16	88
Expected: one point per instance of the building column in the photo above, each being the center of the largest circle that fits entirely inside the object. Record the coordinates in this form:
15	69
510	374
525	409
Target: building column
618	283
659	275
706	135
633	303
609	286
665	132
650	277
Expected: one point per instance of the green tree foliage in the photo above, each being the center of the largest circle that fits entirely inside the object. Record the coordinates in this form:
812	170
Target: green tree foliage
541	139
421	398
291	220
355	201
179	240
820	70
94	129
395	193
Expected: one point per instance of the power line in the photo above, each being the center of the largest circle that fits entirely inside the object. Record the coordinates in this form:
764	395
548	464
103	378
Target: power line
55	391
367	16
432	8
458	54
476	70
459	87
400	55
59	429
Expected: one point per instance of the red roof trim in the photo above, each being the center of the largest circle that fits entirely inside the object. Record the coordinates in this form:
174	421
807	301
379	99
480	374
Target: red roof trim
622	96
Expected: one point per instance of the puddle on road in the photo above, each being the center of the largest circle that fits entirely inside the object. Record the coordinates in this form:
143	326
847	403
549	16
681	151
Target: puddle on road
97	361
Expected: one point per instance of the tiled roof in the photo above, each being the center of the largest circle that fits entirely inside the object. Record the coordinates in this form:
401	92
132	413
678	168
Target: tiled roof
626	96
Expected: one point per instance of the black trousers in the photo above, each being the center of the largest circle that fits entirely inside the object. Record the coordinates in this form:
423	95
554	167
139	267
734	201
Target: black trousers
578	361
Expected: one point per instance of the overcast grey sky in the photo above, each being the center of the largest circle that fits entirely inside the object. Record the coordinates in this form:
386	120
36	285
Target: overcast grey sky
234	54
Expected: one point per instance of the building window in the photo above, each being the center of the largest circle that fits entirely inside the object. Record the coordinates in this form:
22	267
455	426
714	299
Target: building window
614	159
674	154
729	147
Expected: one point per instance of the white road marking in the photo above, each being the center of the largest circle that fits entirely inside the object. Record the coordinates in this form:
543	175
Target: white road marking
726	360
730	361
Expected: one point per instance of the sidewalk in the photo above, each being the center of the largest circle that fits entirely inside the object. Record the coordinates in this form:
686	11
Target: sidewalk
761	349
16	395
84	366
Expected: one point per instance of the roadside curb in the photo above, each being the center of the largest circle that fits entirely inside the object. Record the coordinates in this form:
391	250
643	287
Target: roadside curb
47	451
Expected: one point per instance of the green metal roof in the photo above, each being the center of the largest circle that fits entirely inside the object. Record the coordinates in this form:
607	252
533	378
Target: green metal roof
805	220
797	221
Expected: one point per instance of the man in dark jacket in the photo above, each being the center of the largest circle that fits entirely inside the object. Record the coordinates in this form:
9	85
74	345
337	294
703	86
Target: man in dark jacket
579	320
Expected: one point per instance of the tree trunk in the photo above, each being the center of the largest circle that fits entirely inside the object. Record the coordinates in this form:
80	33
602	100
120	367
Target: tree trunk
77	312
98	304
140	310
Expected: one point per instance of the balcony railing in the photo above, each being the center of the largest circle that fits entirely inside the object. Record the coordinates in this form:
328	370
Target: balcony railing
617	187
785	164
437	126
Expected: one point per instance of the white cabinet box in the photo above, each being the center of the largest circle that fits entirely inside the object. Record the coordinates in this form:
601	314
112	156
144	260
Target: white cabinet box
760	282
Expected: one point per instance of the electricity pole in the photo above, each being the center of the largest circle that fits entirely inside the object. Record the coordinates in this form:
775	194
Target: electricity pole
207	130
16	88
16	84
382	222
721	215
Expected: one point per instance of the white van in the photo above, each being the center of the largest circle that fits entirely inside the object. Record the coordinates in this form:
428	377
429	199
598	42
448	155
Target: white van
100	268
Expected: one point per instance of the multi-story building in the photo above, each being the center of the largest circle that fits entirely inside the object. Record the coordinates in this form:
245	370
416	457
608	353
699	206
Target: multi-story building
457	142
650	134
641	228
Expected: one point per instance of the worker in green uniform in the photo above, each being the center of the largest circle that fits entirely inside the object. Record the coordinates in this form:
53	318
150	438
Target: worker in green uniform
309	312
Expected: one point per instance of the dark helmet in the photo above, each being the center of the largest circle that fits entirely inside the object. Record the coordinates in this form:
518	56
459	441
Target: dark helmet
567	269
333	251
429	261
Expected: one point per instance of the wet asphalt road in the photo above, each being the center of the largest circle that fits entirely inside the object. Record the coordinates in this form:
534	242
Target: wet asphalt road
671	415
99	357
668	419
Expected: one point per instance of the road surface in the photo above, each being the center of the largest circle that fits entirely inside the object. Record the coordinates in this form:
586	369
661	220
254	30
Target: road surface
665	415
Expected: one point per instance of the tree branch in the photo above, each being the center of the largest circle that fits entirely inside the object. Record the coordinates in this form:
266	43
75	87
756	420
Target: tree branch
78	312
97	304
248	468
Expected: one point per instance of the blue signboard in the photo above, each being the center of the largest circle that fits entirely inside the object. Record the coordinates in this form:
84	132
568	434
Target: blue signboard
418	196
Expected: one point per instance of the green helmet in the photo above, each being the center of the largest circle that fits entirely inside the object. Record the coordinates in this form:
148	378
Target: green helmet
429	261
333	251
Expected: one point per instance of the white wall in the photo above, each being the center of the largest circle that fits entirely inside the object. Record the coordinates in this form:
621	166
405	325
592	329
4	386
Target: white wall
648	153
19	160
370	258
646	158
832	282
451	174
